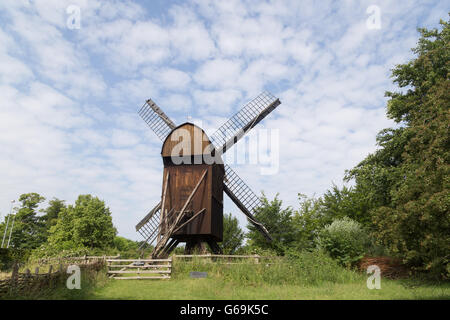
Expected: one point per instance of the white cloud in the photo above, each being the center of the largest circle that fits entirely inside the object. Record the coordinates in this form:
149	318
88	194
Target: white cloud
174	79
217	102
218	73
122	138
176	102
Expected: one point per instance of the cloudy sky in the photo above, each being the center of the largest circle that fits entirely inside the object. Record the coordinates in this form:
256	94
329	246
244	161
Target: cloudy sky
74	73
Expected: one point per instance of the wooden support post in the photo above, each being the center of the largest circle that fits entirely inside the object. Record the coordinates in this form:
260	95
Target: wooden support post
192	218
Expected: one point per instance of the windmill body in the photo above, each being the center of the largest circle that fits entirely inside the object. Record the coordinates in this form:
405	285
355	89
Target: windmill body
187	156
195	178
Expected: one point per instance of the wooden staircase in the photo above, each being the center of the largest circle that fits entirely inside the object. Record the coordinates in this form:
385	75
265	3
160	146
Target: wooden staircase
139	269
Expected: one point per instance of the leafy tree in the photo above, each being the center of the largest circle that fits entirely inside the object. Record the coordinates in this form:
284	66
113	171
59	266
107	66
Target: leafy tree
277	221
29	229
347	202
87	224
307	221
124	244
50	218
52	212
233	236
408	177
125	247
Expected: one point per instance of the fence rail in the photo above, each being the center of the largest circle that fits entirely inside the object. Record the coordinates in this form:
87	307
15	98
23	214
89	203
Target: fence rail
70	259
226	258
150	268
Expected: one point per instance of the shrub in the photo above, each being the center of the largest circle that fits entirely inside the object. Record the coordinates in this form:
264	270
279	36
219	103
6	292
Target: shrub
11	255
344	240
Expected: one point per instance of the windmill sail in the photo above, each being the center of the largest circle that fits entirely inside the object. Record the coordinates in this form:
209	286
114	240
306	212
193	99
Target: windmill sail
156	119
161	124
244	120
244	198
149	225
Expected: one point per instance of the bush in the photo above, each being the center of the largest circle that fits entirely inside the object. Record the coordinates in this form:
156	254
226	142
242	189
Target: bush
11	255
344	240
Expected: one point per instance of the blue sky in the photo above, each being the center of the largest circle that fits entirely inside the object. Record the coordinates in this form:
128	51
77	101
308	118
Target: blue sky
68	97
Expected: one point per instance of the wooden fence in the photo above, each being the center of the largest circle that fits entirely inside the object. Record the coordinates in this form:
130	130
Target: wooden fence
139	269
121	269
46	277
227	259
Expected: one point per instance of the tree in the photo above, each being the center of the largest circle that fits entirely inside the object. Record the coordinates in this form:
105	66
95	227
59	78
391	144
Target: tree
52	213
55	206
124	244
88	224
29	229
277	221
307	221
409	175
353	203
233	236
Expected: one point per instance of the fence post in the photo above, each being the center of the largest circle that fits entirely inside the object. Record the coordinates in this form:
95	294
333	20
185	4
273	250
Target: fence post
14	276
60	275
49	276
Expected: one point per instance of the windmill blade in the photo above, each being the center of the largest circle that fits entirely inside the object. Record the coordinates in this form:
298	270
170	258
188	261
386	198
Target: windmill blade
161	124
149	225
244	120
156	119
244	198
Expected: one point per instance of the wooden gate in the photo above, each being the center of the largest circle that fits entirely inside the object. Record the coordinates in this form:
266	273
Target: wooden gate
139	269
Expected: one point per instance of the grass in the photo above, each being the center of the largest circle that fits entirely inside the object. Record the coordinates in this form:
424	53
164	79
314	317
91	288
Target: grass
213	288
309	276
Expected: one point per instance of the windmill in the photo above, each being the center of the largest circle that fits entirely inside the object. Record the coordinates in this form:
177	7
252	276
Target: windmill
194	179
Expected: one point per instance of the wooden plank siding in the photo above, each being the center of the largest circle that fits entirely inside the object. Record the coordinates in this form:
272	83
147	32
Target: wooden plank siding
186	140
182	179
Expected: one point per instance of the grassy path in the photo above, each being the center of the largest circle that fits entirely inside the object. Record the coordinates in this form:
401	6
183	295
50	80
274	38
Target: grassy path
216	289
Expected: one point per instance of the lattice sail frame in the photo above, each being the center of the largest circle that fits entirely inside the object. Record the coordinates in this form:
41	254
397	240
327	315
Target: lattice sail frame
243	120
148	227
156	119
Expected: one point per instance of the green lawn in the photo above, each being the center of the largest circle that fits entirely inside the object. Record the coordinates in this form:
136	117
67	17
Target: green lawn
312	276
217	289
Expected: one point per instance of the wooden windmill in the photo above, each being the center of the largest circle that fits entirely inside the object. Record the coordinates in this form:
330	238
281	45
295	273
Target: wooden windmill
194	179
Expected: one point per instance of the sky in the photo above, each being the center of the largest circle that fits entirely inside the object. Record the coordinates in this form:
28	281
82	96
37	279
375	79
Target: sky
73	75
